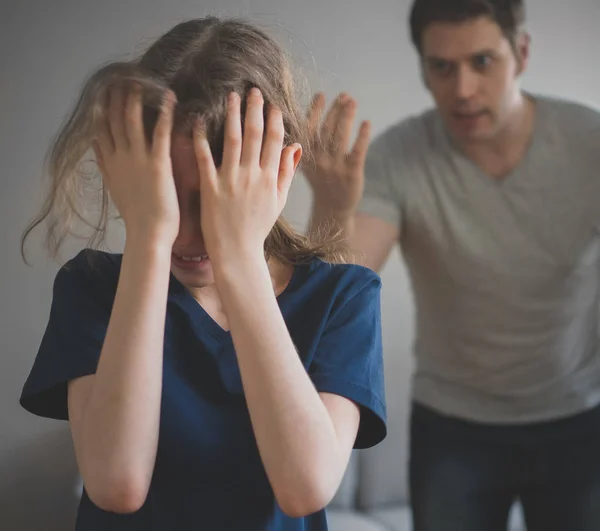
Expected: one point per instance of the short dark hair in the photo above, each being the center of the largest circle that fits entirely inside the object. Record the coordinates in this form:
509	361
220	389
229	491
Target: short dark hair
508	14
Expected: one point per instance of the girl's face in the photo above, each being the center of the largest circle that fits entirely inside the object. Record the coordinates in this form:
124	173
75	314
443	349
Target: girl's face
189	261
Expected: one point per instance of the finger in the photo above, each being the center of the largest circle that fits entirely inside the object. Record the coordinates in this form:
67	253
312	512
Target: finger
253	129
273	143
204	159
286	173
116	114
232	147
104	137
315	112
134	127
161	140
344	130
330	124
358	155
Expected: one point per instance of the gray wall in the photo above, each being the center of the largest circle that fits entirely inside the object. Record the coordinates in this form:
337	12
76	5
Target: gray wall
47	48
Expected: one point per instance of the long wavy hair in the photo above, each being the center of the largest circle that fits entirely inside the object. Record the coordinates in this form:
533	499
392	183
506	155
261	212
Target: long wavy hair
201	61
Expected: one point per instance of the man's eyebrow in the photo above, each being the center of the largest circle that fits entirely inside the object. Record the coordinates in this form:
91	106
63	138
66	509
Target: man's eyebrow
485	51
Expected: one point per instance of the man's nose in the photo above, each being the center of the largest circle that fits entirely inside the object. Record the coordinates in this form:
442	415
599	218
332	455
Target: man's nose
466	83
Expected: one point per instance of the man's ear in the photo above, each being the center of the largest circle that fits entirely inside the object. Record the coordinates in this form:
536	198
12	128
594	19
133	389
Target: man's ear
522	51
423	74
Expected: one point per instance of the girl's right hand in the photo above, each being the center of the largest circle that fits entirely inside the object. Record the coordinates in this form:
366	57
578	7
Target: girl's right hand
139	175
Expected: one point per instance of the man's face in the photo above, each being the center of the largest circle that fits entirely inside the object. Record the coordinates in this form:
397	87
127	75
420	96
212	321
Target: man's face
472	70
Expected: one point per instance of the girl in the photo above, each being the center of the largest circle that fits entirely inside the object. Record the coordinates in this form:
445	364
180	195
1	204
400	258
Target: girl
217	374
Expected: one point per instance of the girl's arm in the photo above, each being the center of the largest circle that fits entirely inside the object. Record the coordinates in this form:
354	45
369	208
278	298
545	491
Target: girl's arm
115	413
305	440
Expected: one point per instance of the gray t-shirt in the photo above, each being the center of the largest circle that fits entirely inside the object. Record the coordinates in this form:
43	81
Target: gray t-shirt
505	273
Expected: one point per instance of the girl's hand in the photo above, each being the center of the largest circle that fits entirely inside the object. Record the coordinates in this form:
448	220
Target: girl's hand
138	175
241	200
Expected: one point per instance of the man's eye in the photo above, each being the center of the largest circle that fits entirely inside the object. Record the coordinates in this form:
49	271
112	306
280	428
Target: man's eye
440	66
482	61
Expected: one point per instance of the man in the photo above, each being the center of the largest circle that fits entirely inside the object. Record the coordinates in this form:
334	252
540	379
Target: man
494	197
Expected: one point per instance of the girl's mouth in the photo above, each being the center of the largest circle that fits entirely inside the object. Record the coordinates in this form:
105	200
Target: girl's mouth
190	262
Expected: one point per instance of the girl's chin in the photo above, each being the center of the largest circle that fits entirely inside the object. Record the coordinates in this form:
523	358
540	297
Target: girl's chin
194	277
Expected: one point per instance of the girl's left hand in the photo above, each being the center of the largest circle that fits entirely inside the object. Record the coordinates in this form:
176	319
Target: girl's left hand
241	201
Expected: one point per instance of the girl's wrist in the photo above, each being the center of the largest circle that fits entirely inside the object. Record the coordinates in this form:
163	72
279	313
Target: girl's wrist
239	263
229	255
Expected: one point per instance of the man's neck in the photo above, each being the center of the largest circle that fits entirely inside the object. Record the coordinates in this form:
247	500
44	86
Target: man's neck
501	154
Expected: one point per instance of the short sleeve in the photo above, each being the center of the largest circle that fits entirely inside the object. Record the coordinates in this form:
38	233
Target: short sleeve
71	344
349	359
380	195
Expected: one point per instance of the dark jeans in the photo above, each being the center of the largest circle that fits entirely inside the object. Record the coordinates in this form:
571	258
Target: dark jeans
465	476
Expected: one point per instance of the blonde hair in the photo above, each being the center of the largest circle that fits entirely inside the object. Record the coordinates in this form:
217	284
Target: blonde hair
201	60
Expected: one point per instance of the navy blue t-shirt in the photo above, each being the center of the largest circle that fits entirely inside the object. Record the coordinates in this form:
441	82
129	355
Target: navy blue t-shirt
208	473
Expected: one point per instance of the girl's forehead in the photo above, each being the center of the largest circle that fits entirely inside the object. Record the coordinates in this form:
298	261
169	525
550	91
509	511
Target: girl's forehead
181	141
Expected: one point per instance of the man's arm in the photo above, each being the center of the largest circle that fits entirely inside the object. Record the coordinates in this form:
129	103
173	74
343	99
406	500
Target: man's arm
370	238
374	239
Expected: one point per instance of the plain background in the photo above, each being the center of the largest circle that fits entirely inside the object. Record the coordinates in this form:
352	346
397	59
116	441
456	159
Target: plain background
46	51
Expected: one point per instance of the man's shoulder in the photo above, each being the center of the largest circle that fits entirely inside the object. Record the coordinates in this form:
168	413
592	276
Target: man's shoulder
413	125
570	115
409	136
